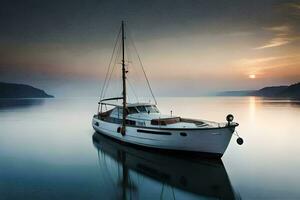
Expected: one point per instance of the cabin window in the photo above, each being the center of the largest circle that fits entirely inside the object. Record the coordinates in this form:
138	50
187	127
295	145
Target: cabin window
141	108
130	122
119	121
117	112
152	109
132	110
120	111
149	109
140	123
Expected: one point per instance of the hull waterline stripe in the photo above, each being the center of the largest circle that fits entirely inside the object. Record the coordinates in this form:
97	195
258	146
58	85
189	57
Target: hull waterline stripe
154	132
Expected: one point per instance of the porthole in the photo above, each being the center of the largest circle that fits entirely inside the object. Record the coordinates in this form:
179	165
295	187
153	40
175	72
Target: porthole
96	124
183	134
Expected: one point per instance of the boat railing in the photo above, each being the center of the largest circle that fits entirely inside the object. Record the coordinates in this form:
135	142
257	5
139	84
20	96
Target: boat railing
104	102
110	99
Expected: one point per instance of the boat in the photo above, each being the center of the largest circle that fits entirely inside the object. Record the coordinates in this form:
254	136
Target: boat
130	172
141	124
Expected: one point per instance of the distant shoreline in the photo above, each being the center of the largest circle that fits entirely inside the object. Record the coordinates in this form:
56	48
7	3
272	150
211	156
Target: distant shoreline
291	91
21	91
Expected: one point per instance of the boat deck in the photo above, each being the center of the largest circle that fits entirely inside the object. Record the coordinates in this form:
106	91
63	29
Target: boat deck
175	122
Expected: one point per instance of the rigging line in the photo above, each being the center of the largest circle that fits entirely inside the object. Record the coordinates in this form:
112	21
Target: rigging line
139	80
162	191
108	79
133	69
135	81
127	58
110	62
118	75
130	63
115	76
101	169
107	169
130	85
111	72
128	54
173	193
113	67
142	67
111	58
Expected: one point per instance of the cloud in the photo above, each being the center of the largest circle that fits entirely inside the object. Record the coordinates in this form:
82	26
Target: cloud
240	33
282	37
295	5
256	61
288	14
292	8
283	28
279	40
263	64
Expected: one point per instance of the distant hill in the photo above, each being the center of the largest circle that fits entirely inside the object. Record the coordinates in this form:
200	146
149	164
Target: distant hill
236	93
273	91
12	90
292	91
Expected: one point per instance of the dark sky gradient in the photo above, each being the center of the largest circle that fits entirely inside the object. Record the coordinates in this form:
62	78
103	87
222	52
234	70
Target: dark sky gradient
64	46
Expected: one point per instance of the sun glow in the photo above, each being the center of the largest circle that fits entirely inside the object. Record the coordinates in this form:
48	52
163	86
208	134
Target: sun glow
252	76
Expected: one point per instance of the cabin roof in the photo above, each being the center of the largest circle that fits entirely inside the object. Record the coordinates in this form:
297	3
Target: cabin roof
129	104
139	104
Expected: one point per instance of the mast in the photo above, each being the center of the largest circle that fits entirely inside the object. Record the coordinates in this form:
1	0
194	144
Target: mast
123	130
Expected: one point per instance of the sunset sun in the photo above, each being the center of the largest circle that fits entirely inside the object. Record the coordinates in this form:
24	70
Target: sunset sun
252	76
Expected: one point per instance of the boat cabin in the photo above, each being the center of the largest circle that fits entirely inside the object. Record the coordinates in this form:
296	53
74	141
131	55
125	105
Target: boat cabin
143	114
138	114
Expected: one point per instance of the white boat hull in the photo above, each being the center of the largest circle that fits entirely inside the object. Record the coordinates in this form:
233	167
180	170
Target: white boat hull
210	141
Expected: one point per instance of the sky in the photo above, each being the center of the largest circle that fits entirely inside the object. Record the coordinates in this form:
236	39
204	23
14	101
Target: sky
188	48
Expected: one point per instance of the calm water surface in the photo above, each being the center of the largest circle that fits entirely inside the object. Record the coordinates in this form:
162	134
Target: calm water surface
48	150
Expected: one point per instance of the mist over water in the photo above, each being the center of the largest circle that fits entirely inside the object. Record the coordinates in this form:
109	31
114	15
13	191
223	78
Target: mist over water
48	150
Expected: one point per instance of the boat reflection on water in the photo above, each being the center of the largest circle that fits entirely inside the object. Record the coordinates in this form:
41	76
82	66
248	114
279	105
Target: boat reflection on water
174	174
